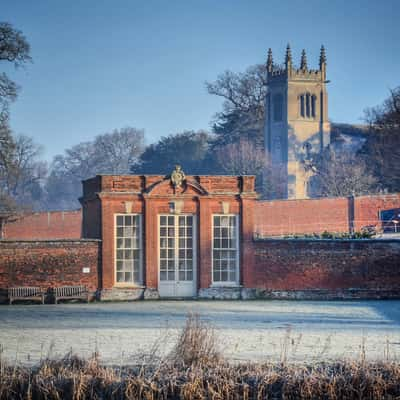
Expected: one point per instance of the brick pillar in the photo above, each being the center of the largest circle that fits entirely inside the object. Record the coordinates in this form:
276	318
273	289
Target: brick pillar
247	259
205	245
151	244
107	235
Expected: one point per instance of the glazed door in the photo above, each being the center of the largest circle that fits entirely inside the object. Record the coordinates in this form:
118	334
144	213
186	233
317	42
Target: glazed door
177	256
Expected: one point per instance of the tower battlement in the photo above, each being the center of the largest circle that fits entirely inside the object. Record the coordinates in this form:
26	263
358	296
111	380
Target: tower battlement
289	71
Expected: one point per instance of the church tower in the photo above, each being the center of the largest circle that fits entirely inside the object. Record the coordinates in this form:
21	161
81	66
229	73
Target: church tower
296	123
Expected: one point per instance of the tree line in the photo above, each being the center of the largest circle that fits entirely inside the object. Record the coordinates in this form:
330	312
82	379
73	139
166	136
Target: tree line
233	145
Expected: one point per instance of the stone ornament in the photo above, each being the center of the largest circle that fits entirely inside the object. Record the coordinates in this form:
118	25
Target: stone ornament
177	176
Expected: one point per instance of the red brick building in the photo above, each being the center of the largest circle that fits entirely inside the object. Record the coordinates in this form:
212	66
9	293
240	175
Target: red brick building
170	236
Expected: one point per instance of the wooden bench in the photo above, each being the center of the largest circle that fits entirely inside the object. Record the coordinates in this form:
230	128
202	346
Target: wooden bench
70	292
25	293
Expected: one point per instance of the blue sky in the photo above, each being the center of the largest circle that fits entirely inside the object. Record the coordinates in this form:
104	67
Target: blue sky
100	65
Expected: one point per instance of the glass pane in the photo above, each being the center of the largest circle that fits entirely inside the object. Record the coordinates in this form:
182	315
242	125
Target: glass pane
120	243
170	220
182	276
128	276
181	221
120	254
189	220
163	275
171	275
120	220
189	275
128	220
120	232
120	276
128	254
163	220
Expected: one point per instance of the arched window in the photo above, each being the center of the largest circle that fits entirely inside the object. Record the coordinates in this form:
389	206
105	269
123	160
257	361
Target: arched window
278	107
308	105
313	103
302	109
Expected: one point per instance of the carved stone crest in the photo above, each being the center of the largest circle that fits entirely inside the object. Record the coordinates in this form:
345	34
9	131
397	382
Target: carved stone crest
177	176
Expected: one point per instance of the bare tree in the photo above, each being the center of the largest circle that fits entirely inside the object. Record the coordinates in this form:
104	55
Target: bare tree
339	174
243	110
383	141
244	92
119	150
15	49
109	153
242	158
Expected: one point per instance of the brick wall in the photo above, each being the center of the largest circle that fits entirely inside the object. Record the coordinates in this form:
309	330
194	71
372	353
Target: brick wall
299	264
45	225
49	263
281	217
340	214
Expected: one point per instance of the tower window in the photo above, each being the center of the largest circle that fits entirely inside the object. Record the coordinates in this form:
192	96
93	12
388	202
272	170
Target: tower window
278	107
302	109
307	105
313	101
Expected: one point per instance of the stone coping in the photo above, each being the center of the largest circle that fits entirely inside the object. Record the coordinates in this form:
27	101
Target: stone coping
50	240
320	240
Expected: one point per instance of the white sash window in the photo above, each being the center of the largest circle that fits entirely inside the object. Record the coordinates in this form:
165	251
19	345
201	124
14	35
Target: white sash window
225	255
128	249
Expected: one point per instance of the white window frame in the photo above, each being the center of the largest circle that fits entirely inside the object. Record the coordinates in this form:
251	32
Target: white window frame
237	269
176	247
140	226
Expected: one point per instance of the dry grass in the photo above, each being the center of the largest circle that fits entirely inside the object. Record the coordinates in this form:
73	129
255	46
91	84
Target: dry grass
196	370
196	344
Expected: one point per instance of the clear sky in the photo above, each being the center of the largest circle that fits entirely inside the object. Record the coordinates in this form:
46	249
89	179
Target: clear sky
100	65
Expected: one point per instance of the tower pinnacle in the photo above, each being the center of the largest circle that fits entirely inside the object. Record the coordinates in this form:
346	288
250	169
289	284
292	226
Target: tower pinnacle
288	57
322	57
270	61
303	62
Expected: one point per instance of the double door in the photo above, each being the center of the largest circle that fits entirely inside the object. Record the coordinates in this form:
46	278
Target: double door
177	255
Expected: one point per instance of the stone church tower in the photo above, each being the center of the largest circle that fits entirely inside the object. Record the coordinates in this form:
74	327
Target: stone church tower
296	123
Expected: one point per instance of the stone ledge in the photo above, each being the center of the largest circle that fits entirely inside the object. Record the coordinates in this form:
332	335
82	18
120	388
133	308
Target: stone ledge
320	294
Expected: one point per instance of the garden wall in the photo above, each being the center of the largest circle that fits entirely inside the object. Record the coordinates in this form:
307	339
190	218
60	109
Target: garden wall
324	269
307	216
45	225
49	264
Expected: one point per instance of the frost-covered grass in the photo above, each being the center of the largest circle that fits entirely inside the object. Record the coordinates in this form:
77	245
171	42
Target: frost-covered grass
293	331
196	369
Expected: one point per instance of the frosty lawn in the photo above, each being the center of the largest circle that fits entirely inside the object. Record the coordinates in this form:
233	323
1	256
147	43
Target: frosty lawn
253	330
